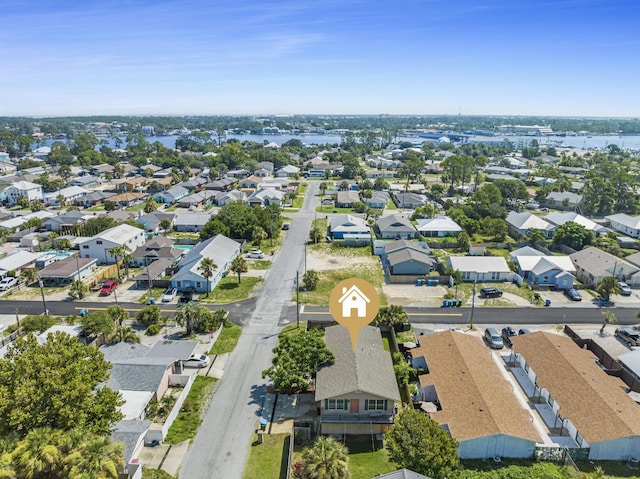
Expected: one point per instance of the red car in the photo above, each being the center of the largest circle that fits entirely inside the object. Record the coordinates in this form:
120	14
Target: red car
108	287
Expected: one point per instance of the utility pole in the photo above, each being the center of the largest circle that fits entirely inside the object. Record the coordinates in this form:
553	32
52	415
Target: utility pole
77	265
149	281
44	301
297	300
473	304
271	228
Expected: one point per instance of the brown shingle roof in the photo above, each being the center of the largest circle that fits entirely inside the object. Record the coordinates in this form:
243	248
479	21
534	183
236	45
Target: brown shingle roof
476	399
591	399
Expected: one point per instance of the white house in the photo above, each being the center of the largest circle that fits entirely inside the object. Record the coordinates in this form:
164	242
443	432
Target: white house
629	225
523	223
100	245
439	226
480	268
70	193
16	262
287	171
31	191
221	249
559	218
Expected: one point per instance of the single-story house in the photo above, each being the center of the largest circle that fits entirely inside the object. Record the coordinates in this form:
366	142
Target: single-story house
86	181
522	224
379	199
555	271
231	196
408	258
126	199
203	197
629	225
191	222
250	182
480	268
395	227
358	391
70	193
409	200
13	224
152	272
100	245
438	227
347	199
287	171
592	264
559	218
563	200
346	226
67	270
471	399
221	249
17	262
524	251
223	184
586	404
65	221
93	198
151	221
266	197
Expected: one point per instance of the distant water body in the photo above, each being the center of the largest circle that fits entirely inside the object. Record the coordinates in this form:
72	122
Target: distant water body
585	142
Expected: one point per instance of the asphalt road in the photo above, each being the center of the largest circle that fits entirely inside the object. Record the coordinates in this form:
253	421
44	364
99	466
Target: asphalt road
220	448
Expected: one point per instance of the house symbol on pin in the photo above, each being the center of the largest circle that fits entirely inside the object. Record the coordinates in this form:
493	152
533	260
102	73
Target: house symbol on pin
351	299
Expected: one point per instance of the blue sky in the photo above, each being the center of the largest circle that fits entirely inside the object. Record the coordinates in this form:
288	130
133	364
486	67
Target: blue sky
544	57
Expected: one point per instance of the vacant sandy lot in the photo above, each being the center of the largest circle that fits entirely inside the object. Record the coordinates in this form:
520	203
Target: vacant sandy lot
327	260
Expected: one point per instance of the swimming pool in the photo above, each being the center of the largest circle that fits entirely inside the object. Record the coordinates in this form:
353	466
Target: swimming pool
185	247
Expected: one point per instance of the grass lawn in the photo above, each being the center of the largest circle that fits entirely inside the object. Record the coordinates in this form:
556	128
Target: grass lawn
183	235
227	339
321	223
302	189
391	205
499	252
343	251
96	208
155	293
334	209
229	290
259	264
188	421
367	458
266	245
155	474
612	469
328	279
137	207
268	459
297	202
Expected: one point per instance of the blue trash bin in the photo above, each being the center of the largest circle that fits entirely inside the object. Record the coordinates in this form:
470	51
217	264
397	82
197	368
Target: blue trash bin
444	303
152	300
547	302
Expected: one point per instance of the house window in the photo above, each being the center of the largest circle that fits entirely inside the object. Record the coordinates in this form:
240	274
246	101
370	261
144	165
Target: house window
179	284
86	246
198	284
466	275
495	275
333	404
579	439
375	404
98	242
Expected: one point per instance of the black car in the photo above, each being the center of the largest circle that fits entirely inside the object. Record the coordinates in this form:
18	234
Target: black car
507	334
187	296
524	331
573	294
490	292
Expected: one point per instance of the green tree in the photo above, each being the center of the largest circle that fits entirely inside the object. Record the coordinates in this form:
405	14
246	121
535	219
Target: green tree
124	335
316	234
117	252
150	205
117	314
464	241
212	321
78	289
149	315
418	443
109	205
608	286
239	265
190	315
60	378
609	318
22	202
310	280
573	235
393	316
296	358
38	455
38	323
97	458
258	235
326	459
97	322
28	276
165	225
207	267
536	236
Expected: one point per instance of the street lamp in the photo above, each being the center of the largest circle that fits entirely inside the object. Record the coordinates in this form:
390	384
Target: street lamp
44	302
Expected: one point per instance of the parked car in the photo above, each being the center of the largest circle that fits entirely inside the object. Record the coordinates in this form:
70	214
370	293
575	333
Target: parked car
108	287
625	290
196	361
8	282
522	331
169	294
490	292
493	338
255	254
573	294
629	336
187	296
507	334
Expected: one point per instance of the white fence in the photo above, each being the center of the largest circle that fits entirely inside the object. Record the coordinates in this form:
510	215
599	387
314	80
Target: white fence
159	433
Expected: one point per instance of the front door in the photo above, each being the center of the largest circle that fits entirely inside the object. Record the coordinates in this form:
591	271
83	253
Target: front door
354	406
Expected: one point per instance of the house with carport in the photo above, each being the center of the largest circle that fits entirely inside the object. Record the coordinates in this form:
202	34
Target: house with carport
464	391
356	393
481	268
581	400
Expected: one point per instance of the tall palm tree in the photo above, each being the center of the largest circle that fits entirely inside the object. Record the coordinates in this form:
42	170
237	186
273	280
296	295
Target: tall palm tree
207	267
38	454
127	257
327	459
239	265
98	458
165	225
117	252
189	315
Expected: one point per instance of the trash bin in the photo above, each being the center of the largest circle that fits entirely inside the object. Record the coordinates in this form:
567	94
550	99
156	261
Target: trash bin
152	300
419	282
458	303
444	303
547	302
603	303
449	303
263	424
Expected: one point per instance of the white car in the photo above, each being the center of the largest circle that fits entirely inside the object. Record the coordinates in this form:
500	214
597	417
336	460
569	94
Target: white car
169	294
7	283
625	290
257	254
196	361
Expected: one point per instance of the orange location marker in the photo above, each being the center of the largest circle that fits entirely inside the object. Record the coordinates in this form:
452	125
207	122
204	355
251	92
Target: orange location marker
354	303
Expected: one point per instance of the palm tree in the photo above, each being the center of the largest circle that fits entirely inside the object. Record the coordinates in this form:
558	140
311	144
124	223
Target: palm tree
117	314
190	315
150	205
117	252
327	459
258	235
28	276
207	267
239	265
124	335
608	286
609	318
127	257
38	454
97	458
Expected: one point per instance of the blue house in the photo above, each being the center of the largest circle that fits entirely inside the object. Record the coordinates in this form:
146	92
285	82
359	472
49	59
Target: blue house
172	195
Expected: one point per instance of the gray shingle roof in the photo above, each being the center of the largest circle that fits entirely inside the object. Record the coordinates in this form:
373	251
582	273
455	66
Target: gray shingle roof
402	474
172	349
368	369
133	375
128	432
395	224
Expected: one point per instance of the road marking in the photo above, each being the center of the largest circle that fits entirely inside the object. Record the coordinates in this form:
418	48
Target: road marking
458	315
302	309
105	309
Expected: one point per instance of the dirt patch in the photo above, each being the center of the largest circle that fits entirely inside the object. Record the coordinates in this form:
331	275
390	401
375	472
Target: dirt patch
326	261
412	295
